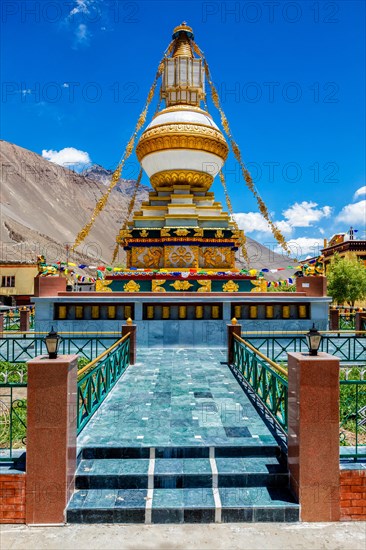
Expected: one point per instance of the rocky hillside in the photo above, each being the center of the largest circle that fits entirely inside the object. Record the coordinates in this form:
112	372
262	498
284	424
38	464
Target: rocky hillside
44	206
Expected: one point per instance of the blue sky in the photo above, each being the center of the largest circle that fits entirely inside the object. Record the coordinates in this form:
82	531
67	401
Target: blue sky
75	74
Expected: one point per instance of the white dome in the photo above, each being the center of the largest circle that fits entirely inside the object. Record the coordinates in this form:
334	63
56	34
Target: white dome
190	117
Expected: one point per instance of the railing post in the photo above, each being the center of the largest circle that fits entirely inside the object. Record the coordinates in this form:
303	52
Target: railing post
232	329
24	319
130	328
313	434
1	323
360	319
333	319
51	437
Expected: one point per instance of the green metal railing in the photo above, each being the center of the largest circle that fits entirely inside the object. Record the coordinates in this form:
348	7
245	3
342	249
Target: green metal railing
97	379
266	378
350	348
13	414
353	419
347	321
11	319
18	348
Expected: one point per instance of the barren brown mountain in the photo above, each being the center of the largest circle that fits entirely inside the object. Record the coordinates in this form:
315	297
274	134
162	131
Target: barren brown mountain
44	206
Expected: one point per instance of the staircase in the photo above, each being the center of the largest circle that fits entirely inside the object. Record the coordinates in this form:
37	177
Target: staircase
182	485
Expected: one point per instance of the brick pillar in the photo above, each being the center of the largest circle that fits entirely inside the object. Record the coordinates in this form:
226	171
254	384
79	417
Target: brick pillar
333	319
51	437
313	434
24	323
232	329
360	319
131	330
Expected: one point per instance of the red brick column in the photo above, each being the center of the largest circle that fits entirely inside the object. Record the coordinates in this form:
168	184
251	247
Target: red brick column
359	319
353	495
12	498
131	330
51	437
333	319
24	316
313	434
232	329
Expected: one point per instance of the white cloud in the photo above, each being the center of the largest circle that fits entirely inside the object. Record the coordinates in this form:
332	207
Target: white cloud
353	213
82	34
82	6
304	246
305	213
254	221
67	157
361	191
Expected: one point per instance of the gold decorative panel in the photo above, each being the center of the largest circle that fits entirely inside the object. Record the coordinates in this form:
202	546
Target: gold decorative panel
149	256
156	285
131	286
205	285
216	257
181	256
259	286
230	286
102	286
181	285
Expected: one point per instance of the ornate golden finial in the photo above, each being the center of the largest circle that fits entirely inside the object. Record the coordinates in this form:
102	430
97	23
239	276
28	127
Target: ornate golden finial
129	321
234	321
182	36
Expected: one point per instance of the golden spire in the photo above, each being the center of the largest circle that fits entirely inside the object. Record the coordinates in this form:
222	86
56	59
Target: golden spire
182	35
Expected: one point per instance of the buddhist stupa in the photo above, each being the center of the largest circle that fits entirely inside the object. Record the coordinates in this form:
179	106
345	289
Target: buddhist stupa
181	151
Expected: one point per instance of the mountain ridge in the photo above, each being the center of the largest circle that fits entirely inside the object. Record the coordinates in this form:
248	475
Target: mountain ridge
43	207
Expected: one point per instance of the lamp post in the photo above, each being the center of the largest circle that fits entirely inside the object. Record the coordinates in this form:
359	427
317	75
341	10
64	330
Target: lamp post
52	341
313	338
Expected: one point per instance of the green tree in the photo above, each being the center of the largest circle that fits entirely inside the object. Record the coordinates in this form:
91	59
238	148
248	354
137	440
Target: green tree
346	280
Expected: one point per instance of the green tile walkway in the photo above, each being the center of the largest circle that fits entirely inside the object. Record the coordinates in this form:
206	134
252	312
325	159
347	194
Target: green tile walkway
177	398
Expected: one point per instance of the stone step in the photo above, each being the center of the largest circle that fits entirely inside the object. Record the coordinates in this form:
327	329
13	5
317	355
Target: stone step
181	473
252	448
199	505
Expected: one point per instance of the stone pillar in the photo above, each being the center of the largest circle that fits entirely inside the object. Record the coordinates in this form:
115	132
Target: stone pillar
334	319
130	329
232	329
360	321
51	437
313	434
24	319
312	285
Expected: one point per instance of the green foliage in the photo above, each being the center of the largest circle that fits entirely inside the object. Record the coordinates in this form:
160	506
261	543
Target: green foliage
285	288
16	373
82	362
346	280
349	407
